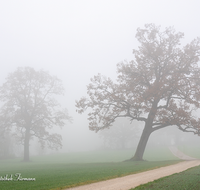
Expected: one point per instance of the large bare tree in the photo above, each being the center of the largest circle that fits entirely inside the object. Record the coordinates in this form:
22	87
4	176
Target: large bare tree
160	87
30	109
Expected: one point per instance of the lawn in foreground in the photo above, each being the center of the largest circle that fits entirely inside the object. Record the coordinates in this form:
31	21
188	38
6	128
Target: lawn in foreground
187	180
53	172
50	176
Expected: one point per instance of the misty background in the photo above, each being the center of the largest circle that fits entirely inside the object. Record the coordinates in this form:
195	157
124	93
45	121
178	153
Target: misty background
77	39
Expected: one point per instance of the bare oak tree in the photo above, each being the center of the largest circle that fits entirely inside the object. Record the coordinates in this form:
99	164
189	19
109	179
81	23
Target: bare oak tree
30	109
160	87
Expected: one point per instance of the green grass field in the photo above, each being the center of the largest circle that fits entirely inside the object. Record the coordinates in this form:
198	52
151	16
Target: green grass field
73	169
59	171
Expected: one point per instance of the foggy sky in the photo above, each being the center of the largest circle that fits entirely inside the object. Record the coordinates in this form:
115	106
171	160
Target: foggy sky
76	39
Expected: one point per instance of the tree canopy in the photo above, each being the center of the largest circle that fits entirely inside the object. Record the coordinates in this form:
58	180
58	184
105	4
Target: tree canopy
160	86
30	109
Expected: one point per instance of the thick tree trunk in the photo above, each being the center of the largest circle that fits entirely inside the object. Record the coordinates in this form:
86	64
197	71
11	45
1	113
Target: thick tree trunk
145	134
142	144
26	145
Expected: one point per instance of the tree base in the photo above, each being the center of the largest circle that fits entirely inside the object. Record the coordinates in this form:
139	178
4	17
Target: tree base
133	159
26	161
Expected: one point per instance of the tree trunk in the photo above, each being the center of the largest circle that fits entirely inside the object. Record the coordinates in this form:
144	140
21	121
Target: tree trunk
142	144
26	145
146	133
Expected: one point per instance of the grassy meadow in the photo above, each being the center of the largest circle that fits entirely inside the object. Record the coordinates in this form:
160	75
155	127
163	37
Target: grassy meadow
65	170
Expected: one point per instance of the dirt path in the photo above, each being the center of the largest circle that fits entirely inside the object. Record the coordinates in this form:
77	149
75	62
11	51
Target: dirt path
176	152
134	180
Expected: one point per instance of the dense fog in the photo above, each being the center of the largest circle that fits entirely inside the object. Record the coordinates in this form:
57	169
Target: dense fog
75	40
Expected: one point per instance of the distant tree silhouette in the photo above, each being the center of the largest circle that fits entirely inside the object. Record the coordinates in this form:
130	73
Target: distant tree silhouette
29	107
121	135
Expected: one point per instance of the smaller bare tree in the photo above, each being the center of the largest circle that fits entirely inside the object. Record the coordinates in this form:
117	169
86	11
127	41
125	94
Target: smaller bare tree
29	107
